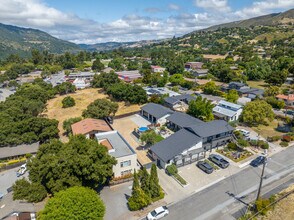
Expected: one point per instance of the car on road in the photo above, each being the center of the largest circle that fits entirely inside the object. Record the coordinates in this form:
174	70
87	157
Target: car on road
21	170
218	160
206	167
158	213
257	161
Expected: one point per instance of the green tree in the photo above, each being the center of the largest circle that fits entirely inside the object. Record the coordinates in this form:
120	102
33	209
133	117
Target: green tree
176	79
67	124
277	77
150	137
272	91
68	101
104	80
139	199
100	108
210	88
65	88
201	108
97	65
155	189
80	162
74	203
275	103
257	112
31	192
145	181
232	96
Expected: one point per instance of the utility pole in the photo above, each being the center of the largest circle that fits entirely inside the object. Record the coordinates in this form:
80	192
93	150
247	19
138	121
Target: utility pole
261	179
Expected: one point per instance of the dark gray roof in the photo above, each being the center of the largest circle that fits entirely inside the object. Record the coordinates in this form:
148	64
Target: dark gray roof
183	120
175	99
171	100
237	84
254	91
210	128
19	150
175	144
158	111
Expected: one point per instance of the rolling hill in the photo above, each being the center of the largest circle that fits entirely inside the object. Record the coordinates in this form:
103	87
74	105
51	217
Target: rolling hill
266	20
19	40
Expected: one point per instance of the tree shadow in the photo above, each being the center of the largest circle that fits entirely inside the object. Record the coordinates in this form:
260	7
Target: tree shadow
127	196
239	199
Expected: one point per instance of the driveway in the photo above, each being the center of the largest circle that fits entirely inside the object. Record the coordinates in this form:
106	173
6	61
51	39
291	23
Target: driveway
7	179
139	120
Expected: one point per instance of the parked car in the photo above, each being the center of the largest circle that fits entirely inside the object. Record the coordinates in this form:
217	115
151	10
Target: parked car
206	167
244	132
158	213
21	170
218	160
109	119
257	161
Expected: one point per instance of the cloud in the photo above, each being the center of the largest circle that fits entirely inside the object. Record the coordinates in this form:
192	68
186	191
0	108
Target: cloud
264	7
174	7
215	5
133	27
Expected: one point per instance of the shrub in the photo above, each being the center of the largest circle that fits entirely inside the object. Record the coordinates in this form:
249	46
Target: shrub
284	144
180	179
232	146
261	205
172	169
262	144
273	138
286	138
243	143
68	102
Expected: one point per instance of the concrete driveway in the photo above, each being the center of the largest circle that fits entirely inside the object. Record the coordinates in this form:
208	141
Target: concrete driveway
139	120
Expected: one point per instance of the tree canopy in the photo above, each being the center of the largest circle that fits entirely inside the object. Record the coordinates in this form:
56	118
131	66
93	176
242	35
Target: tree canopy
80	162
232	96
257	112
97	65
68	101
74	203
100	109
201	108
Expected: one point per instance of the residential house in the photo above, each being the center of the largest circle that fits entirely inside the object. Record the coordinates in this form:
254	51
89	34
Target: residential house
193	65
288	99
227	111
89	127
159	91
83	75
18	151
81	83
178	102
190	143
155	113
119	148
157	69
129	76
244	90
179	120
235	85
200	72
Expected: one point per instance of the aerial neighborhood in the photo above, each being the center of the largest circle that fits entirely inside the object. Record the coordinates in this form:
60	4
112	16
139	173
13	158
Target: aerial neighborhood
189	127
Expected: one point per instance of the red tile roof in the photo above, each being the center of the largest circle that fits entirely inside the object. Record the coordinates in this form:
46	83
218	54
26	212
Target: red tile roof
289	97
89	125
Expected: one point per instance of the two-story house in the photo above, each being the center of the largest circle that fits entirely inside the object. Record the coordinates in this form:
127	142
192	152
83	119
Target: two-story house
227	111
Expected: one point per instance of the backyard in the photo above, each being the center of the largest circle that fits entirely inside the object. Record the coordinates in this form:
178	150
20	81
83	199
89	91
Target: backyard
268	130
82	98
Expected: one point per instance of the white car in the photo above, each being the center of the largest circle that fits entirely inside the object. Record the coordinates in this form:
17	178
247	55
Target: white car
22	170
158	213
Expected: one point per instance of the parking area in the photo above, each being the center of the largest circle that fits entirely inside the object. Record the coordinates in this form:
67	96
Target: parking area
125	126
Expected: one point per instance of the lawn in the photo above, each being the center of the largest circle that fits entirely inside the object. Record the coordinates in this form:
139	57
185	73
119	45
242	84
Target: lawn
268	130
82	98
257	84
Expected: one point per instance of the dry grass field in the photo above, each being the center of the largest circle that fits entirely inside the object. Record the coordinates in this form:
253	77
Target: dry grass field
82	98
283	210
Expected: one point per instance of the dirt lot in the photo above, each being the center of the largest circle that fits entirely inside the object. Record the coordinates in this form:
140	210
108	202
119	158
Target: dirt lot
83	98
283	210
268	130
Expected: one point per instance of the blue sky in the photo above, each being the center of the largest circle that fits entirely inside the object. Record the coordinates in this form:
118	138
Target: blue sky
94	21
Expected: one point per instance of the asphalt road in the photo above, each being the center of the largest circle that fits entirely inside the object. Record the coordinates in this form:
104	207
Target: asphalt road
217	198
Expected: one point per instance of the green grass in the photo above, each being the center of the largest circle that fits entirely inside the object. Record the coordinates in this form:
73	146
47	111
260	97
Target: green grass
158	138
268	130
257	84
180	179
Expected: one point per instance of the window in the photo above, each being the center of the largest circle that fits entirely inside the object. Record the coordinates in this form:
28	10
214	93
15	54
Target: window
125	163
123	173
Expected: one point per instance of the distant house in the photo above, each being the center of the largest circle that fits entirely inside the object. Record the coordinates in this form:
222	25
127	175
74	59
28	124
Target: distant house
244	90
82	75
129	76
235	85
200	72
107	70
193	65
155	113
288	99
81	83
159	91
289	80
119	148
89	127
227	111
178	101
157	69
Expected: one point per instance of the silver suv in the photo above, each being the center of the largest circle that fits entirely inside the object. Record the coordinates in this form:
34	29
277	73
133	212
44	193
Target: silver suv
218	160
